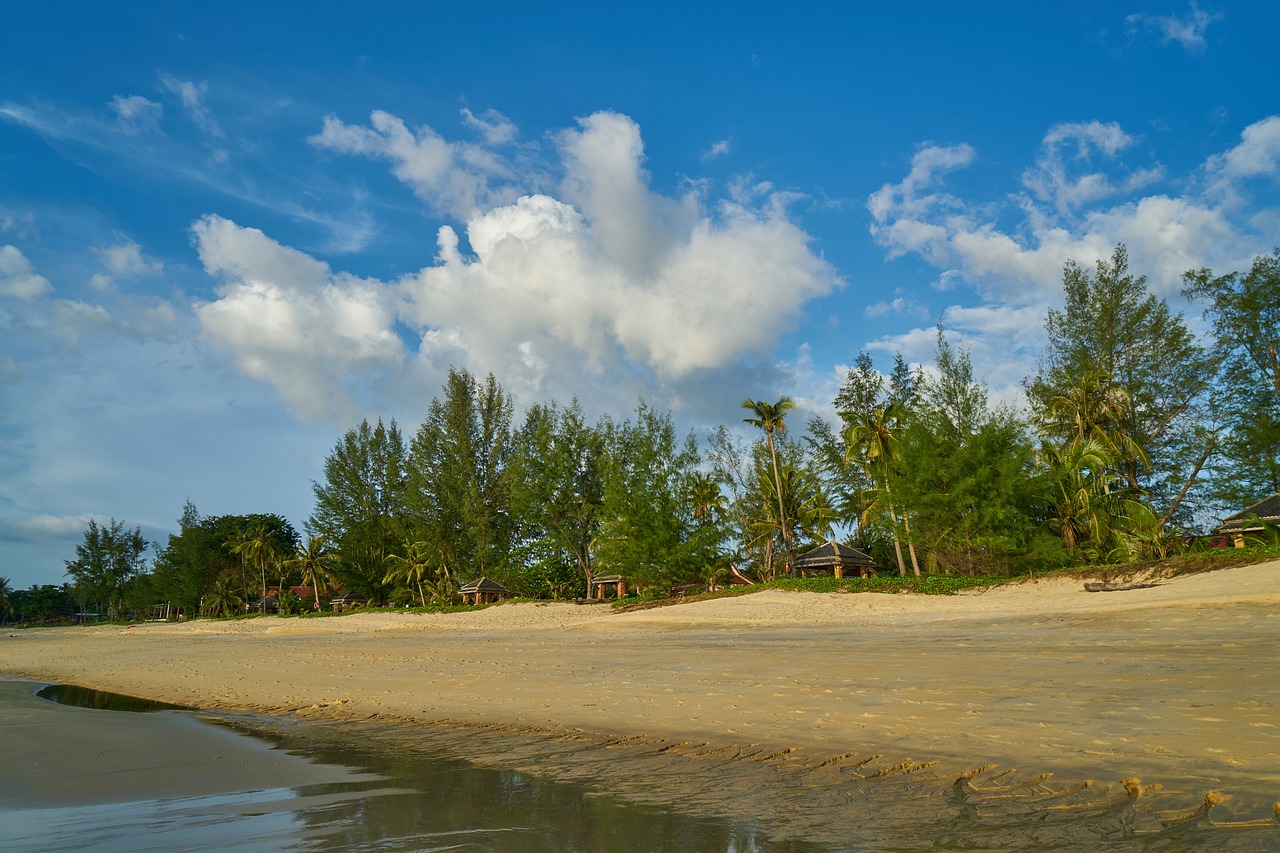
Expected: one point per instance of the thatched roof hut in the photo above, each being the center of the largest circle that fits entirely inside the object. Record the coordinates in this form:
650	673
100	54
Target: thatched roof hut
482	590
1250	520
832	558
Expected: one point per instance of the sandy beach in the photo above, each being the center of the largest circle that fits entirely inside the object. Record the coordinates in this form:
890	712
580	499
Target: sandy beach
1175	684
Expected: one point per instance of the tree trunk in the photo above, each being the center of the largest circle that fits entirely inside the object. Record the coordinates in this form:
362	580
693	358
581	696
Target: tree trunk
911	545
782	513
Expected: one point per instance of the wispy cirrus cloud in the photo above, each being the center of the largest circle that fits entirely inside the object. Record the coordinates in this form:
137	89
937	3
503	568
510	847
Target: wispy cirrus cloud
1187	30
129	133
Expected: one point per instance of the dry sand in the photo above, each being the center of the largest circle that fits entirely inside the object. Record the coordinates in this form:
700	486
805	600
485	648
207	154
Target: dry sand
1176	683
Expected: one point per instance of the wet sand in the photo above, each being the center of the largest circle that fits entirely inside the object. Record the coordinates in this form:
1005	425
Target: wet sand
1175	684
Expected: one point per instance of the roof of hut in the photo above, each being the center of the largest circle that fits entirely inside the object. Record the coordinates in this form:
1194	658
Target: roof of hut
1267	509
833	554
483	584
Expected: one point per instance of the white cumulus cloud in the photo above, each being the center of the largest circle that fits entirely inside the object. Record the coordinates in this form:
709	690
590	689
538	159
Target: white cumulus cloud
18	278
609	285
289	320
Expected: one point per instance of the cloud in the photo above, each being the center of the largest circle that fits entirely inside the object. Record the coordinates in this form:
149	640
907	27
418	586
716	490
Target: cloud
136	114
1187	30
46	528
18	278
125	261
10	371
1082	200
451	177
287	319
1050	180
1257	155
898	305
717	149
609	286
496	128
1015	251
192	96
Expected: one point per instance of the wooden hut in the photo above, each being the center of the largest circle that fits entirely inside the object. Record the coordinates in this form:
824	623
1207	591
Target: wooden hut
346	601
597	585
1250	520
832	558
482	590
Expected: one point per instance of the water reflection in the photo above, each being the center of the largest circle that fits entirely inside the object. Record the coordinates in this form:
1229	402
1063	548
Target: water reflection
84	697
479	788
581	792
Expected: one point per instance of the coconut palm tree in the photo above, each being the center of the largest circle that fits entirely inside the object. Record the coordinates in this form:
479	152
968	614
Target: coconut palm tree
421	566
1094	409
1087	507
224	598
315	562
6	600
870	441
256	547
771	417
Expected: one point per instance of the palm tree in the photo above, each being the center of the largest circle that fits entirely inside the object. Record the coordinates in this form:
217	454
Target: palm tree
255	546
705	495
419	566
6	599
770	417
223	599
314	562
871	442
1094	409
1086	510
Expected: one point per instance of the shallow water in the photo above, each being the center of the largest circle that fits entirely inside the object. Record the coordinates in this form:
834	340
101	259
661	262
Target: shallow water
386	799
408	787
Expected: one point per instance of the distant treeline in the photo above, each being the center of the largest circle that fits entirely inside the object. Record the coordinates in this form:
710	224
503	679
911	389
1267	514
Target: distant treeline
1137	432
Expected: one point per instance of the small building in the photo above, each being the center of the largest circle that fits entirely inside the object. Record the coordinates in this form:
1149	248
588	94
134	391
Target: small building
482	590
346	601
737	577
834	559
597	585
1250	520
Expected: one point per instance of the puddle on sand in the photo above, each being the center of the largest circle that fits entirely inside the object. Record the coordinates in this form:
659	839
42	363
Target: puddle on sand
102	700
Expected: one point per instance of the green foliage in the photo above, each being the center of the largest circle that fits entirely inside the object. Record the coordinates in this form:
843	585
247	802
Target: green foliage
771	418
224	599
1245	313
555	479
1151	379
109	557
647	531
361	507
925	585
458	498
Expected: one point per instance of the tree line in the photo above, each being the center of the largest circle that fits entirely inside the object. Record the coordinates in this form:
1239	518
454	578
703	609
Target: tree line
1136	432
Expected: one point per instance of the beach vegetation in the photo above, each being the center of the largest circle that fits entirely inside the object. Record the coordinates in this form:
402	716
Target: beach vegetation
225	598
362	503
1245	315
1134	432
108	558
458	498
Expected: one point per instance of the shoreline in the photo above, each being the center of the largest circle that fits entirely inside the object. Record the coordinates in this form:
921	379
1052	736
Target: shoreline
1171	684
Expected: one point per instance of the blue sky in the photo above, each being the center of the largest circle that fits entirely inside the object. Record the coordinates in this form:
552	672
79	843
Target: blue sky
227	235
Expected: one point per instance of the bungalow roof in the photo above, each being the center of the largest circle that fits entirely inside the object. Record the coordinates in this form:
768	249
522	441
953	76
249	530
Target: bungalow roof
1267	509
833	554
